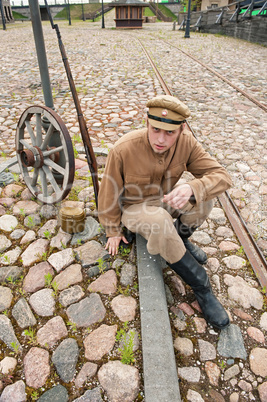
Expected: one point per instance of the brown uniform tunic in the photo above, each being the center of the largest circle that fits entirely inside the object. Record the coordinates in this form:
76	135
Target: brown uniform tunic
135	174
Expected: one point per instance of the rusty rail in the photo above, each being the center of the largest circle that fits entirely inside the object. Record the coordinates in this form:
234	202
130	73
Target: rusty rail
246	94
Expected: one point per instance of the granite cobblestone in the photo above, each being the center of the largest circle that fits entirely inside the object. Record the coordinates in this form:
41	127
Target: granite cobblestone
114	81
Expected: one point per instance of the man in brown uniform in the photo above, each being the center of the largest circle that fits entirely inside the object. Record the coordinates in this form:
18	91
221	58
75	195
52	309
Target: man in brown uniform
139	191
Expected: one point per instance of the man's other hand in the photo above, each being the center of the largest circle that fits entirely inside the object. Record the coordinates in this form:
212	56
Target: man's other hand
179	196
113	244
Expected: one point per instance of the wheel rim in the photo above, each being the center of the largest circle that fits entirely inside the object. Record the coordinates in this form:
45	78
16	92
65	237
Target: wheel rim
45	154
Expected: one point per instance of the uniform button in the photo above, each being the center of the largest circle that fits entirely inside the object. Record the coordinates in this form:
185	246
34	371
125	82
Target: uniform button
160	161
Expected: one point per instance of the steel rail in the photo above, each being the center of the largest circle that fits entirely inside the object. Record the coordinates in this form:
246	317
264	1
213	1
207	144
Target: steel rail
247	95
251	249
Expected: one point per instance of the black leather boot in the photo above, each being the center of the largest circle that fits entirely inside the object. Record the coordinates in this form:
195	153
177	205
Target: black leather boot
195	276
184	232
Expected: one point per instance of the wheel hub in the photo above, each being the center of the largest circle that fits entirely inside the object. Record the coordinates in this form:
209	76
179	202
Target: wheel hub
32	157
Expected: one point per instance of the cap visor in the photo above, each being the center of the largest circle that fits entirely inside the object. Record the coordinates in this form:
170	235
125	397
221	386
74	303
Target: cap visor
163	126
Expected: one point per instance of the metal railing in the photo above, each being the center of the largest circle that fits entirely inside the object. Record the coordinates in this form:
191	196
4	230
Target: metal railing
233	12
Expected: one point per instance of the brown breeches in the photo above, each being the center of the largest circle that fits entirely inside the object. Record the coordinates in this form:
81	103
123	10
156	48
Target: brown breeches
155	224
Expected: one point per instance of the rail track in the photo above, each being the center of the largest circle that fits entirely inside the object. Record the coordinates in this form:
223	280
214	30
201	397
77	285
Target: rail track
254	254
246	94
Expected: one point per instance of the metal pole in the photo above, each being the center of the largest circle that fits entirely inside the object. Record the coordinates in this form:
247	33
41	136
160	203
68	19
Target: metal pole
41	53
103	20
187	29
69	12
3	15
83	12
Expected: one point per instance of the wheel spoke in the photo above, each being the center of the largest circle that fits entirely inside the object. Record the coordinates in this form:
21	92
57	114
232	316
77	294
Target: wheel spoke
35	177
30	131
54	166
38	129
43	183
26	145
47	137
52	180
52	151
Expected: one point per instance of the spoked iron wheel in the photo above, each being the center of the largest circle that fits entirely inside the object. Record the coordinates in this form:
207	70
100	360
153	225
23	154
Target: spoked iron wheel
45	154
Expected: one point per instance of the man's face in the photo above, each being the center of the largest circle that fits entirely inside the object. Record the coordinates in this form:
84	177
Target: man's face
162	140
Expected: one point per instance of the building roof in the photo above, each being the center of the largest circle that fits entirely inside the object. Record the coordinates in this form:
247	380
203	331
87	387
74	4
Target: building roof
128	3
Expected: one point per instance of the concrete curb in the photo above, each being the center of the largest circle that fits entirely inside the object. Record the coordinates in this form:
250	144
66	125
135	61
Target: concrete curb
160	372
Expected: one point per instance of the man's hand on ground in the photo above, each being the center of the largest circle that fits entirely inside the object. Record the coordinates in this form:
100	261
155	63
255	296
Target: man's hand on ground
113	244
179	196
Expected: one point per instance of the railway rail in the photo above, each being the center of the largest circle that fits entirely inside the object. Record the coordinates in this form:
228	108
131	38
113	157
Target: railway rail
254	254
245	93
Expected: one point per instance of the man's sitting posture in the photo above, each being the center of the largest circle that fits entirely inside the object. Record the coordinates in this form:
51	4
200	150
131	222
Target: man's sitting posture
139	190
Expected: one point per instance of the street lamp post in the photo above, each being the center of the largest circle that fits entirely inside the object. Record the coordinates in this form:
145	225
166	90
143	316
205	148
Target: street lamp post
187	28
103	20
83	12
69	12
3	15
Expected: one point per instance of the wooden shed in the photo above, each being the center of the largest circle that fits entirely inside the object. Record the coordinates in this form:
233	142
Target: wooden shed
128	13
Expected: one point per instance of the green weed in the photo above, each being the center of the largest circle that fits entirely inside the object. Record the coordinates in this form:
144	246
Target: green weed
48	279
10	279
22	211
31	334
73	195
47	234
240	251
124	292
124	251
222	364
127	340
30	222
77	138
63	245
15	347
73	326
55	288
101	265
44	256
34	396
7	259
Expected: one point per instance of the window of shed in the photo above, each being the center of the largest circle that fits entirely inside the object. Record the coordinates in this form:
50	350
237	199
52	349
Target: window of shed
122	13
135	11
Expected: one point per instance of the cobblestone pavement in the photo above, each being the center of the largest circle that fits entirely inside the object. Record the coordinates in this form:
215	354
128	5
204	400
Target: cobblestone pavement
66	308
